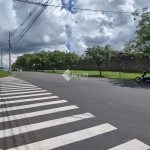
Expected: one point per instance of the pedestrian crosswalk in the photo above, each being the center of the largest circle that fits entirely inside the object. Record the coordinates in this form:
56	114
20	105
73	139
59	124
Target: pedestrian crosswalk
18	96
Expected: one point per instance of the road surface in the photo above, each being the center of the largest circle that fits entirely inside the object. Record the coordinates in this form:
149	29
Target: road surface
41	111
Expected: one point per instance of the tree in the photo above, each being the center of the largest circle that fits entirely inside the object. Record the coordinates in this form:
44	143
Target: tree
99	55
127	48
14	66
43	56
55	59
71	58
36	59
30	62
21	61
141	40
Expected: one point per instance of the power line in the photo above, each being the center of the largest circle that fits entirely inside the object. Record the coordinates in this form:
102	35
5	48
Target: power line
42	19
18	38
21	35
88	9
77	8
27	18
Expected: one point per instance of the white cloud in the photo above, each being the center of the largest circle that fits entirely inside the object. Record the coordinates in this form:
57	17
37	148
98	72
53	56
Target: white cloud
46	38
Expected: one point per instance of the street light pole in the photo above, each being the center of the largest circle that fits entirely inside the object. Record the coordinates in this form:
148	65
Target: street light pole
9	53
1	60
119	61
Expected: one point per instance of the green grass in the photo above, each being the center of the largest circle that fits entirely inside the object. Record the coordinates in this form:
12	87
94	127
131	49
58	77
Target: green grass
4	74
106	74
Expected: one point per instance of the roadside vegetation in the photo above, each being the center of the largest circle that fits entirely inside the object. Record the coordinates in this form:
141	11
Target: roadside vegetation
138	46
4	74
126	75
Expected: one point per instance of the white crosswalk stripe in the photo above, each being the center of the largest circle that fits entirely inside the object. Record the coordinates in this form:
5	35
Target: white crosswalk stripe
16	88
29	100
10	97
67	138
7	91
41	125
12	80
23	93
16	83
132	145
32	105
37	113
18	93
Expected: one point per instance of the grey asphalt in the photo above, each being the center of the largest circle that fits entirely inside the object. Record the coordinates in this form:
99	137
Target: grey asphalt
123	104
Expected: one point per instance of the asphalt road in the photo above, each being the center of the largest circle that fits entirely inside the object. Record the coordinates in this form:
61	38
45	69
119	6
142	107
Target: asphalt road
122	104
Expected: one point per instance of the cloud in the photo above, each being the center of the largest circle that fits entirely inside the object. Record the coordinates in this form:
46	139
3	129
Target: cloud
58	27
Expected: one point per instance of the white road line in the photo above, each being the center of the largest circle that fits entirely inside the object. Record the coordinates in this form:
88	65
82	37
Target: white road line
6	91
11	79
8	88
132	145
28	100
32	105
42	125
37	113
3	85
1	98
17	84
7	80
67	138
37	91
15	81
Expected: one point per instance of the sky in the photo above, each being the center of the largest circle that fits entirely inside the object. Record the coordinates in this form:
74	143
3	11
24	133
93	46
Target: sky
66	28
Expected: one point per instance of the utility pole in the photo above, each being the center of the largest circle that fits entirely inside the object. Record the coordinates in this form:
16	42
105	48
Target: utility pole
9	49
1	60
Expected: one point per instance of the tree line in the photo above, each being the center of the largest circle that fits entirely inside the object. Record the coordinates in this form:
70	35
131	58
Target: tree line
52	59
55	59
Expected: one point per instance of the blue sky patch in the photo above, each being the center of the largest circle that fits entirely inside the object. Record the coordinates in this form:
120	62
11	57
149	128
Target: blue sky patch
68	46
70	4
